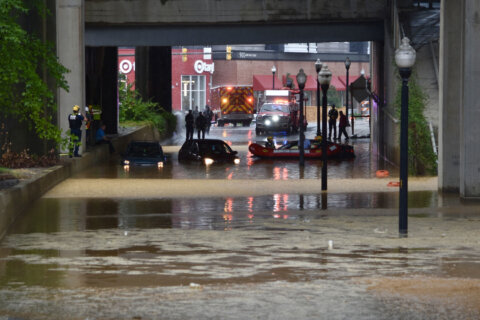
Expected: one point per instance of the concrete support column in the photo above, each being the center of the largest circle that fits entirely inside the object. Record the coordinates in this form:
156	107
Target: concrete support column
470	112
71	53
102	83
153	74
459	154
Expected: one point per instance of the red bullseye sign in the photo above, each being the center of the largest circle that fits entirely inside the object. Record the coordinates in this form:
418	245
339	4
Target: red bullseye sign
126	66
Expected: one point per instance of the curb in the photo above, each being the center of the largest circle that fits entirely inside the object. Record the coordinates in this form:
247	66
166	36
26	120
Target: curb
15	200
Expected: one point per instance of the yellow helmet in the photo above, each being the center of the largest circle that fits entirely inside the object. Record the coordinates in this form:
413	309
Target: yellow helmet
270	138
76	108
318	138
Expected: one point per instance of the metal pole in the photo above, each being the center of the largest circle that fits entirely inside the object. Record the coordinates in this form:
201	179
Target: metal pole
324	136
346	95
302	135
318	107
353	119
273	80
403	211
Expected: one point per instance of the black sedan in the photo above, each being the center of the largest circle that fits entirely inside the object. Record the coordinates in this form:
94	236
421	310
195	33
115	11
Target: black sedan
207	151
144	153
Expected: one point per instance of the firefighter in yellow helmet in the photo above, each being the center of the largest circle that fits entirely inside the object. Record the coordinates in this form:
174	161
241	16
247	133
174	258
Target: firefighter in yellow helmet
75	121
270	143
317	142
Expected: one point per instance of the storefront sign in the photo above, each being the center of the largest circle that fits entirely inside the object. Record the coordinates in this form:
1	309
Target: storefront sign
200	67
126	66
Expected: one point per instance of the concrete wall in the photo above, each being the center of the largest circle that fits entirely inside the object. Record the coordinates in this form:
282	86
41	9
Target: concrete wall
214	11
427	79
71	54
15	200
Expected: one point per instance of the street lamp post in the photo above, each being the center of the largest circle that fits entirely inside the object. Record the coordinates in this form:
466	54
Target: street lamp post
405	58
347	66
324	77
318	67
273	77
301	79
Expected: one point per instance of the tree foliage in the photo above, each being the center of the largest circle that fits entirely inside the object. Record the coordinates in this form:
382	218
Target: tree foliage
24	94
133	108
421	156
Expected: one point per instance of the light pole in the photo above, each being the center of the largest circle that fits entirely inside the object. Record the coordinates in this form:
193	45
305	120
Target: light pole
301	79
324	77
273	77
318	67
405	58
347	66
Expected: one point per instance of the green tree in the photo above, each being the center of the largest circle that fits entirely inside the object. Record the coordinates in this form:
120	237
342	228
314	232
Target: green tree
24	93
421	157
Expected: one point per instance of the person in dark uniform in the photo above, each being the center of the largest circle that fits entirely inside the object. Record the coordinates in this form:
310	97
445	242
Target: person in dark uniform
208	116
75	121
342	126
200	124
332	122
189	121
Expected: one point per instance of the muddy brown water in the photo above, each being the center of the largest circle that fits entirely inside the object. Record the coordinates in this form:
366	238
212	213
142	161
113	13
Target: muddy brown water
277	256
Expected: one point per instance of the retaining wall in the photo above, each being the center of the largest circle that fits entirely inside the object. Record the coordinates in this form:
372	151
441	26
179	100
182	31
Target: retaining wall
15	201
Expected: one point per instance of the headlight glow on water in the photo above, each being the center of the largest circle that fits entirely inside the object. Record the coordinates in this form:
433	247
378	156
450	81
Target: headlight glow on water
236	161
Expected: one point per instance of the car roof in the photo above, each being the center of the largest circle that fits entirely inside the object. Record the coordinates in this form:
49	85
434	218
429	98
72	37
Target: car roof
144	142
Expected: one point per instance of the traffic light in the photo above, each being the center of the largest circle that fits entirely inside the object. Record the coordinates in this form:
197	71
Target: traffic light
184	54
229	53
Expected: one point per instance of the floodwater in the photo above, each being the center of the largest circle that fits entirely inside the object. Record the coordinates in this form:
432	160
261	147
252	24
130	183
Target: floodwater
277	256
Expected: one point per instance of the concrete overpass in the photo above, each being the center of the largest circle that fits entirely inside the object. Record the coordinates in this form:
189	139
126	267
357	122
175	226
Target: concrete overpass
155	25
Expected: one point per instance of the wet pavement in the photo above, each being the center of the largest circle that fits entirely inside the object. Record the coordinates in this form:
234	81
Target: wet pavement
260	256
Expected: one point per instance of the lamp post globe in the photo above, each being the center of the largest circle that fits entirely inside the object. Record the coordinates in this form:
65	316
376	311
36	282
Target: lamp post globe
274	70
301	80
347	63
318	67
405	58
324	78
325	75
405	55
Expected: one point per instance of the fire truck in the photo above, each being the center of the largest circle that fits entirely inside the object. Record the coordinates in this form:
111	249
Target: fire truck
280	112
233	104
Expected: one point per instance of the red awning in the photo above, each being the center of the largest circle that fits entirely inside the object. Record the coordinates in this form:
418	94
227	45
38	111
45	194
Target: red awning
265	82
337	83
310	85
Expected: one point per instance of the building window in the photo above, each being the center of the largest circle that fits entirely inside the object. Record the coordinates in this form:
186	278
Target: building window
193	92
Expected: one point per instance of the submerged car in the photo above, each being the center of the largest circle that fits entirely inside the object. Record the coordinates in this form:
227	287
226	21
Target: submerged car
207	151
144	153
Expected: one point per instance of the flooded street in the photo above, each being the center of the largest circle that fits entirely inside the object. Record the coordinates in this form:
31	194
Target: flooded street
103	245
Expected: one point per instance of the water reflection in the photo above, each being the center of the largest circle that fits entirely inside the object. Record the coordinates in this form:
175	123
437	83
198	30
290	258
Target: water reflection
54	215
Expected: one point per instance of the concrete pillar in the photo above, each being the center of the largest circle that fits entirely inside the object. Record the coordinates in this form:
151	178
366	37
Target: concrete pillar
470	111
71	53
153	74
102	83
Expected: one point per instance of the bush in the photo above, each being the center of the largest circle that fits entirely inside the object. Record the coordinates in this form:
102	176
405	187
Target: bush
133	108
422	160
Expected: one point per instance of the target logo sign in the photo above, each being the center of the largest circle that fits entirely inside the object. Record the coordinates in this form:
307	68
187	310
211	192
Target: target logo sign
126	66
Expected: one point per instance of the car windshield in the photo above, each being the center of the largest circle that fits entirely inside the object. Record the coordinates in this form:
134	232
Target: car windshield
269	107
145	149
215	148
